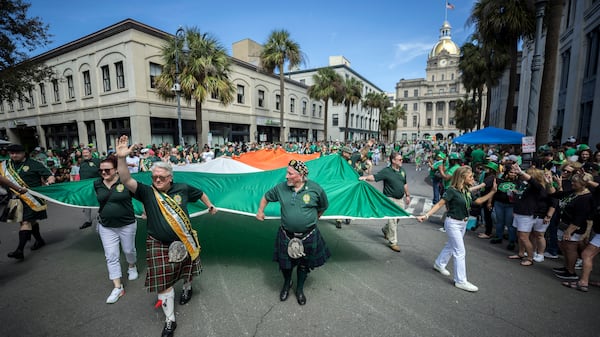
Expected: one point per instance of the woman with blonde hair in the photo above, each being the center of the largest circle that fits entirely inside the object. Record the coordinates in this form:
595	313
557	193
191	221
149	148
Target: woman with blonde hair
458	200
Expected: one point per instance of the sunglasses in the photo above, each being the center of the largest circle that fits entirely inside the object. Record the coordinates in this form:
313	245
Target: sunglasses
105	170
160	177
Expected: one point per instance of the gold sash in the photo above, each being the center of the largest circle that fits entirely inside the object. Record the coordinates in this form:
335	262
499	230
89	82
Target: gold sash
8	171
179	222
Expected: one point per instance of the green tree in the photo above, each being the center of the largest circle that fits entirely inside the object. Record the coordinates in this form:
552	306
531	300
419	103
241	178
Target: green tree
327	86
375	100
389	120
204	70
20	34
501	24
352	94
466	114
473	67
278	50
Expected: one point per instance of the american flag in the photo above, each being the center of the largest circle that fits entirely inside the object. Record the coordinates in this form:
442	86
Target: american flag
449	5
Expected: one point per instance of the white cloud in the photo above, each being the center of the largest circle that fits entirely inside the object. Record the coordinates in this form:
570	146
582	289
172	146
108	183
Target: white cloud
407	52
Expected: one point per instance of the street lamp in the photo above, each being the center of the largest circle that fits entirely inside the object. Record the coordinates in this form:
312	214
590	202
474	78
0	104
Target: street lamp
180	35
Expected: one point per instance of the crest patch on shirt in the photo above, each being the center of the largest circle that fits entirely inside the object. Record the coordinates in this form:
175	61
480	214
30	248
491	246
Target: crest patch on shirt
120	188
177	199
25	168
306	198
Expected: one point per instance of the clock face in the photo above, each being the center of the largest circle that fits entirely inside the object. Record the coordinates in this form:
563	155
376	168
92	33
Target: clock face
443	63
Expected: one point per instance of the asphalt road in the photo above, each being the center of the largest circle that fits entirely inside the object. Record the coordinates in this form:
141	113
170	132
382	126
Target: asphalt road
365	289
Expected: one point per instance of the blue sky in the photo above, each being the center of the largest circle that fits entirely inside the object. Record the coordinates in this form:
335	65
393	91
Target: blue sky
385	40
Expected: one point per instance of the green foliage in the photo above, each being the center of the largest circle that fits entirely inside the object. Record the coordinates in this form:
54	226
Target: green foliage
466	114
328	86
352	95
20	34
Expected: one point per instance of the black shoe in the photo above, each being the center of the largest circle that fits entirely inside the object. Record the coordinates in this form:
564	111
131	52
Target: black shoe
511	246
186	296
17	254
85	225
300	297
495	241
566	276
347	221
285	291
338	223
38	244
559	270
169	329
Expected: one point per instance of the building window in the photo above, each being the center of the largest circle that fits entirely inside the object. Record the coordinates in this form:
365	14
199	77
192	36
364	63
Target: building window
404	122
440	121
261	98
404	136
428	121
451	121
416	93
304	107
334	120
405	93
292	104
20	101
432	78
87	83
42	93
415	106
1	107
70	87
414	121
405	107
56	90
214	95
441	91
31	101
452	76
429	106
240	94
105	78
155	71
314	109
320	111
11	106
443	77
277	102
120	75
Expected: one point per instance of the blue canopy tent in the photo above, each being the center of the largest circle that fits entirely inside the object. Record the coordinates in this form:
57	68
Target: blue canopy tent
490	135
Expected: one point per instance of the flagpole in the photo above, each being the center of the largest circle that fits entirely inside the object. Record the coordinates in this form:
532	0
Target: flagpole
446	11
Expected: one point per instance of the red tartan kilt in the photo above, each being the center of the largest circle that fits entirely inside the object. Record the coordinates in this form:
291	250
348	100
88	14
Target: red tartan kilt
163	274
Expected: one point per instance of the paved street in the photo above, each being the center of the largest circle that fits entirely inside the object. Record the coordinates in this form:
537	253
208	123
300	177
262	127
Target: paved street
365	289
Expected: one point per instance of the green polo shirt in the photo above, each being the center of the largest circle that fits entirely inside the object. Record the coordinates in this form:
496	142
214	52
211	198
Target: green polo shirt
450	172
299	210
158	227
393	181
457	202
118	209
89	169
31	171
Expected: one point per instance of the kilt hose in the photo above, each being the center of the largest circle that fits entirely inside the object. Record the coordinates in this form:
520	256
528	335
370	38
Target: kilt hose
163	274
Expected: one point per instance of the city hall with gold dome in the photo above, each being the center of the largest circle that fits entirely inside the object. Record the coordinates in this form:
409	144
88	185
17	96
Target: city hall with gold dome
430	102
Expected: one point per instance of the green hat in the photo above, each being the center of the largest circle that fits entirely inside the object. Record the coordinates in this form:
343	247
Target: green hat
442	155
492	165
455	155
582	147
570	152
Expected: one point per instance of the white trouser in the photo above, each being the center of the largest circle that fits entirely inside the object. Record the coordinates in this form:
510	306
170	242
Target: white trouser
392	224
110	241
455	247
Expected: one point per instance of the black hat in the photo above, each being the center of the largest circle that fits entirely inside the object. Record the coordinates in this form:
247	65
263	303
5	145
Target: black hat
15	148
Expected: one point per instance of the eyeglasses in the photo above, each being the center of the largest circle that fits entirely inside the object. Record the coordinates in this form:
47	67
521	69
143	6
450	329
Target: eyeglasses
160	177
105	170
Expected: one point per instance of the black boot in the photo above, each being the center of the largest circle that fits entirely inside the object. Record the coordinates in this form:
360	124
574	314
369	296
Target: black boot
287	284
39	242
302	274
17	254
24	236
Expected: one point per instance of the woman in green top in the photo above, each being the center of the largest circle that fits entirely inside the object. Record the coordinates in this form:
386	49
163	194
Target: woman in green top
117	225
458	200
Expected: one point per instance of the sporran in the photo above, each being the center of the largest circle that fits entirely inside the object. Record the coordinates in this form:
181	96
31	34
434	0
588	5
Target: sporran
177	252
296	248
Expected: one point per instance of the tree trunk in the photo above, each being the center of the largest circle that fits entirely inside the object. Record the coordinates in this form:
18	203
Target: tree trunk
325	119
512	85
479	107
347	122
554	15
488	104
198	123
282	137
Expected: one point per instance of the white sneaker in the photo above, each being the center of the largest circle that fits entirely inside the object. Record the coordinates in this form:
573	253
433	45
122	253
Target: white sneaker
466	286
579	264
442	229
550	256
115	294
538	257
441	270
132	273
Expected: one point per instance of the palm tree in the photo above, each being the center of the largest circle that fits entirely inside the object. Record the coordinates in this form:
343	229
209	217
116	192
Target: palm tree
204	70
466	112
352	95
328	86
389	119
374	100
473	67
553	18
501	24
278	50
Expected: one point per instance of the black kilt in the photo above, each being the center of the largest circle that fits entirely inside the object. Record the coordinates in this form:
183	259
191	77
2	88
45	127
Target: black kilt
314	247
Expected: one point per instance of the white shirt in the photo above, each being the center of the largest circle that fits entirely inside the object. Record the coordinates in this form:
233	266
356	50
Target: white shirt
207	156
135	160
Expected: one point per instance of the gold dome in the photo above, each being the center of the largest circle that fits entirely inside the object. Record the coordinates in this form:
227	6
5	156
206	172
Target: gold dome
447	45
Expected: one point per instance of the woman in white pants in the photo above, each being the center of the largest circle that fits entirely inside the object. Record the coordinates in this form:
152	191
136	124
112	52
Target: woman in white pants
458	200
117	225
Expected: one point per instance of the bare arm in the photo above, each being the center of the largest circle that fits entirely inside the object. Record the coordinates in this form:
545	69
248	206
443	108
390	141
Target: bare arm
433	209
11	185
211	208
260	214
123	151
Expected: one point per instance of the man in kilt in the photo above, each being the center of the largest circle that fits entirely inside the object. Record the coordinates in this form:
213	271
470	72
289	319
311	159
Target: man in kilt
302	202
172	247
